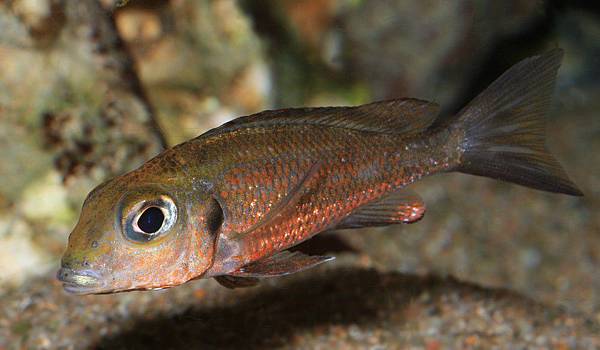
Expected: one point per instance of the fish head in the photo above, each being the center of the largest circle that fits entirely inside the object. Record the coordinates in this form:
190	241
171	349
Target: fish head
138	233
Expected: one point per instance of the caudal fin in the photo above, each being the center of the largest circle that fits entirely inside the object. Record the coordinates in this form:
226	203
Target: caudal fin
504	128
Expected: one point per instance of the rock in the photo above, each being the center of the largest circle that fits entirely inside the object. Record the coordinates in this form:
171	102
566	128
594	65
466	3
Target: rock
426	49
20	257
73	114
577	33
191	52
396	48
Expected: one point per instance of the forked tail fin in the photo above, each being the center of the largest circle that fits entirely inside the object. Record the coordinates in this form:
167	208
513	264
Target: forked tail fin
504	128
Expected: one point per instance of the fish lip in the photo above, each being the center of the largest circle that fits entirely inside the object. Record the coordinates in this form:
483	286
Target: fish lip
80	281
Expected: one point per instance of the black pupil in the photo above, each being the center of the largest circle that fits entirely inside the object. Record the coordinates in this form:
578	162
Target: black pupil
151	220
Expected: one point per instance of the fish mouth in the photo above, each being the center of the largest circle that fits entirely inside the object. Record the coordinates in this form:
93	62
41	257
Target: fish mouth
80	281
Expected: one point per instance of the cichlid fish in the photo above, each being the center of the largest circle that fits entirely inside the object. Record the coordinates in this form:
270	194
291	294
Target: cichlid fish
229	203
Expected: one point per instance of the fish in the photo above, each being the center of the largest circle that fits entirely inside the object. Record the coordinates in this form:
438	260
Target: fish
230	203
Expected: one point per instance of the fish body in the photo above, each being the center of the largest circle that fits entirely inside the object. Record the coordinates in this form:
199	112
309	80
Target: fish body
229	203
330	171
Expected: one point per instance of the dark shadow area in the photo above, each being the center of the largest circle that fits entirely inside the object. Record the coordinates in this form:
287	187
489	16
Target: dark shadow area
273	315
513	48
502	55
325	243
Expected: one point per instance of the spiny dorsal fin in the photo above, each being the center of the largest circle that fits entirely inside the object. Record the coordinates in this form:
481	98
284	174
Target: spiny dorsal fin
400	207
401	116
280	264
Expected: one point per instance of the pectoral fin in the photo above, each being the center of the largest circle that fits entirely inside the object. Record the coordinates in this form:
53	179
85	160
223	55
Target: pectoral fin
233	282
403	206
280	264
286	205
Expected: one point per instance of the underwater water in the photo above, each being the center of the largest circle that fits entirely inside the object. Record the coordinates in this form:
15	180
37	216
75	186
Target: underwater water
89	91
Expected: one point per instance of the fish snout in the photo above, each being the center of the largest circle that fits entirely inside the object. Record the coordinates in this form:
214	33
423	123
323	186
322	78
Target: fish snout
79	281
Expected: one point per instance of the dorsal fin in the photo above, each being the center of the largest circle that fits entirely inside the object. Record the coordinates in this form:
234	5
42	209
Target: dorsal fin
404	206
401	116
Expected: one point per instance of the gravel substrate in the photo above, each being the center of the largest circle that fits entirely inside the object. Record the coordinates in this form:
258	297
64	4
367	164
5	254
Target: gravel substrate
343	305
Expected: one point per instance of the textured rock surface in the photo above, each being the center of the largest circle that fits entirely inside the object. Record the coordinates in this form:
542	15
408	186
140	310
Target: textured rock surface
401	47
201	62
424	48
72	113
328	308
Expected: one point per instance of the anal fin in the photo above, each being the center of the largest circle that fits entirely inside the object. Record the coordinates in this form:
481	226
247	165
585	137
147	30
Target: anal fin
280	264
233	282
401	207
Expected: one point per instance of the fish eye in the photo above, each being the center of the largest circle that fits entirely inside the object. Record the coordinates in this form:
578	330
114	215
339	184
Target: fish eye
148	220
151	220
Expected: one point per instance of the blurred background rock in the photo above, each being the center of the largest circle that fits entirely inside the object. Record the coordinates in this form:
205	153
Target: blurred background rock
91	89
